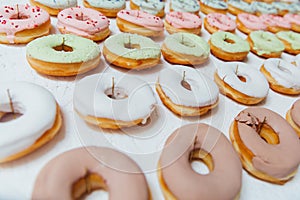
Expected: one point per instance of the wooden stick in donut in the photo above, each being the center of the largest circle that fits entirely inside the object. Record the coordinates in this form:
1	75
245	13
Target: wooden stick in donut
242	83
108	8
202	143
53	7
90	169
113	101
63	55
293	116
131	51
24	135
263	140
20	24
283	77
186	92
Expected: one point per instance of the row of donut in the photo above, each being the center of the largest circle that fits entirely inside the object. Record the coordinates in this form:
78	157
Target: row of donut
253	133
157	7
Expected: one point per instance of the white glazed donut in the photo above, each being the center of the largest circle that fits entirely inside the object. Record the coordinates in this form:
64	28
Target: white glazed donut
133	104
241	82
283	76
202	96
40	120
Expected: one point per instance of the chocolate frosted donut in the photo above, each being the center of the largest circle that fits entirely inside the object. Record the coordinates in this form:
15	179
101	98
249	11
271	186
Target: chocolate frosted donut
268	146
293	116
80	171
199	142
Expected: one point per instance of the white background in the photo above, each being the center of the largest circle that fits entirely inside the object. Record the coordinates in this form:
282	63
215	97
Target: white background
140	143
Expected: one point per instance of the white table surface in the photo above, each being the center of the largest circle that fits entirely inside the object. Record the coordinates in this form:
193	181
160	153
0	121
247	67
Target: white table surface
143	144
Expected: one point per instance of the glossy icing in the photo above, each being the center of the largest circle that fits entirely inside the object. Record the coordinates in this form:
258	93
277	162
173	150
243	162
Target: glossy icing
218	4
150	6
264	8
242	5
183	20
58	4
291	37
191	6
221	21
293	18
295	112
108	4
251	21
273	20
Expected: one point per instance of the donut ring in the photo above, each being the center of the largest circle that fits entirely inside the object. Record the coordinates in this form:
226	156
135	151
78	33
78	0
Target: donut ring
185	49
24	135
191	6
213	6
54	7
239	7
199	142
291	41
228	46
108	8
263	139
282	76
183	22
20	24
294	20
152	7
248	23
63	55
128	106
139	22
131	51
275	23
90	169
195	97
242	83
292	116
214	22
83	22
265	44
264	8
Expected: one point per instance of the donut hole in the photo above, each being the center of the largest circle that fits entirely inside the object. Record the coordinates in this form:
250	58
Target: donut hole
88	186
116	93
18	16
230	41
268	134
7	117
187	43
132	46
201	161
242	78
63	47
186	85
81	17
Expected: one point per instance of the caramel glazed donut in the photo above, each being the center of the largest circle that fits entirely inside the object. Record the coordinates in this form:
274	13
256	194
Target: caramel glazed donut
38	122
119	101
199	142
186	92
90	169
268	146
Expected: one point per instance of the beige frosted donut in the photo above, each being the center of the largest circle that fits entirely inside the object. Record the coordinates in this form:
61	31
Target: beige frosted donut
268	146
81	171
199	142
293	116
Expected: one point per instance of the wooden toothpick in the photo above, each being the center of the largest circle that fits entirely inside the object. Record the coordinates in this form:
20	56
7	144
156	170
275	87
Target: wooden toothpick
11	103
194	147
18	12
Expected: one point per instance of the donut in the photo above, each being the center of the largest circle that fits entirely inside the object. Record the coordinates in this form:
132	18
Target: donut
283	8
291	41
109	8
20	24
113	102
264	8
275	23
139	22
185	49
236	7
263	139
282	76
39	122
63	55
131	51
83	22
183	22
213	6
90	169
293	117
247	23
53	7
191	6
228	46
199	142
186	92
242	83
153	7
294	20
214	22
265	44
296	6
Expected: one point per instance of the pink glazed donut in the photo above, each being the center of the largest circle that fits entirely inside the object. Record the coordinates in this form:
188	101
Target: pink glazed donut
219	22
248	23
183	22
20	24
84	22
275	23
294	20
